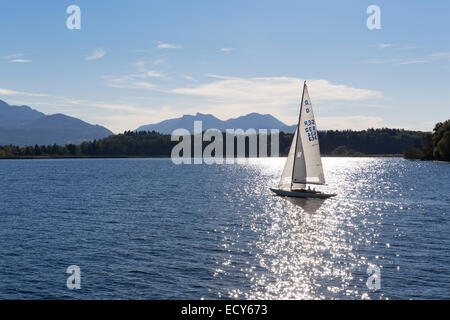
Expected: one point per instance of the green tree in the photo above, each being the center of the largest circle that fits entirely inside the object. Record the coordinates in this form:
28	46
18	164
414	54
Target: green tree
442	149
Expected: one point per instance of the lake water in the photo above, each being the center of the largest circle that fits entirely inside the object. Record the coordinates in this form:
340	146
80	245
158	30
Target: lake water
148	229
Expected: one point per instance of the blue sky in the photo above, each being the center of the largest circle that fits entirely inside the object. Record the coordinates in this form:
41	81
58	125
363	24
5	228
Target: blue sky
140	62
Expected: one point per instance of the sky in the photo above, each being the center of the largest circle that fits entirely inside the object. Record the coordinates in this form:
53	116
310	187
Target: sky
133	63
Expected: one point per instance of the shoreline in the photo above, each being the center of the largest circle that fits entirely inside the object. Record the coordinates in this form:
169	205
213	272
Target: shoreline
168	157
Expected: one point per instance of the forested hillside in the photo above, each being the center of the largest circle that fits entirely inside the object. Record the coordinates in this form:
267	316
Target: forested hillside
152	144
434	146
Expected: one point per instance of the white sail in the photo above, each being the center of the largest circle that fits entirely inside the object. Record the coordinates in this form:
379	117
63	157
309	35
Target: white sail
307	167
303	165
286	177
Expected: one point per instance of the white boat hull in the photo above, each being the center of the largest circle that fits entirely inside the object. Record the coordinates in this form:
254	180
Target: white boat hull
300	194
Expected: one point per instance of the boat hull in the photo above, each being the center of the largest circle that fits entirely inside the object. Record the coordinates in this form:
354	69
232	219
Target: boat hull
300	194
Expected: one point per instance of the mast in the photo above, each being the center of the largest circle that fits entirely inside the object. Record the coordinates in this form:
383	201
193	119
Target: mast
298	132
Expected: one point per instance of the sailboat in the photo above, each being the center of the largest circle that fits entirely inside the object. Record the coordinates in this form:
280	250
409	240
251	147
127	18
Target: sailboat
303	164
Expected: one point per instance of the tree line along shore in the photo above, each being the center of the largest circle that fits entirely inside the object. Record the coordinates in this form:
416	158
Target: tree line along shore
374	142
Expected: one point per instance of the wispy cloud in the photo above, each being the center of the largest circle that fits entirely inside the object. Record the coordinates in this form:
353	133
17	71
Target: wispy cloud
228	97
226	50
217	76
415	61
138	80
189	78
19	60
157	62
96	54
145	72
163	45
9	92
115	107
273	89
409	48
16	58
439	56
154	74
13	56
385	45
428	59
129	81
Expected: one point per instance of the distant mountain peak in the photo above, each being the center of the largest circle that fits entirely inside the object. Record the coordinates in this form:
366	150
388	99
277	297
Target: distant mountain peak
22	125
16	116
252	120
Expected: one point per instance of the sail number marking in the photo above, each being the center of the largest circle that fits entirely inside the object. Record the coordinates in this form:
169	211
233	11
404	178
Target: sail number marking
310	130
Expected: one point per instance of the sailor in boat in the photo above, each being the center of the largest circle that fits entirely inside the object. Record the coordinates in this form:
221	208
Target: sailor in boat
309	190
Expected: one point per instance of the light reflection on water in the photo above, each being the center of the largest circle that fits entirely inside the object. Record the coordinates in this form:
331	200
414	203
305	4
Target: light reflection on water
320	249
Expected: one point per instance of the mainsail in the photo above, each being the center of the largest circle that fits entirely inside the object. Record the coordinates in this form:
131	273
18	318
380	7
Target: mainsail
286	176
303	163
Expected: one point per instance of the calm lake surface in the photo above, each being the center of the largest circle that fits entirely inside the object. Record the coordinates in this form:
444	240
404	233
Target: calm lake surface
148	229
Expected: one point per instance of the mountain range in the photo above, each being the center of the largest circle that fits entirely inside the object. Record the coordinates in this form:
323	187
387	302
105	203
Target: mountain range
22	125
253	120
